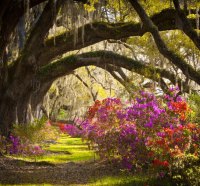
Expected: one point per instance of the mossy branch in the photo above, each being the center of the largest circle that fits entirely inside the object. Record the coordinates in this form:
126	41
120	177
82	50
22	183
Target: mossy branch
101	59
99	31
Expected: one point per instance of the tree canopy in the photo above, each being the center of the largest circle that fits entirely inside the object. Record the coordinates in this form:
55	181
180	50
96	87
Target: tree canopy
42	40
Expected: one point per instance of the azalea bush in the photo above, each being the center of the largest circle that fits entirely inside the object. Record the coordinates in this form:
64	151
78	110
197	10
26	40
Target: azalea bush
71	130
148	131
28	140
21	147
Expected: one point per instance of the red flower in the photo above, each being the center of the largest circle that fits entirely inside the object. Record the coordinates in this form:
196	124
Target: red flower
61	126
165	164
169	131
160	142
93	109
191	126
156	162
180	108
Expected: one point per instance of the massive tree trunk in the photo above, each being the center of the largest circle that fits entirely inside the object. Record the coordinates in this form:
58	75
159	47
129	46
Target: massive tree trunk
7	115
19	86
14	104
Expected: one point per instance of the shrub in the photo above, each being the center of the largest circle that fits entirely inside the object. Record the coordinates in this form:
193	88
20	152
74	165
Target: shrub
186	170
19	147
24	140
36	132
194	100
70	129
146	132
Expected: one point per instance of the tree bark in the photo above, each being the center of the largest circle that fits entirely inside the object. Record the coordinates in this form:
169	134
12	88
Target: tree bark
20	87
8	115
11	14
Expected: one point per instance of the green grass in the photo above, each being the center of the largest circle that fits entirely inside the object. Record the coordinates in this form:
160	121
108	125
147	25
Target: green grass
127	179
122	180
78	151
65	150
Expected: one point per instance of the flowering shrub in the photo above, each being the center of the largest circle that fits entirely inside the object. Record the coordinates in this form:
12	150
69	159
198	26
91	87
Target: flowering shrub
24	140
147	131
70	129
17	146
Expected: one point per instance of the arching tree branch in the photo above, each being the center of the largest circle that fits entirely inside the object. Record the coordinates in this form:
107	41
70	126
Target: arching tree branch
26	65
186	25
68	64
99	31
123	79
43	25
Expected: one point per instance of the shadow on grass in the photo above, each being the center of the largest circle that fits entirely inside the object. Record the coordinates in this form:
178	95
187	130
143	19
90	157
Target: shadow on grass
87	173
8	163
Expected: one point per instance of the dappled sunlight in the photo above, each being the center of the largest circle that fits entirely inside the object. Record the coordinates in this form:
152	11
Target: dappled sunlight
65	150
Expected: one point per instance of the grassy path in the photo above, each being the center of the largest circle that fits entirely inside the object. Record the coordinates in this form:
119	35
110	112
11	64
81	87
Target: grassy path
66	149
68	162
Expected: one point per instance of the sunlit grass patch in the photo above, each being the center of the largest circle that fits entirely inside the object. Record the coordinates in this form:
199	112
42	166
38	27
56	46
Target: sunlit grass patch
127	179
120	180
66	149
76	149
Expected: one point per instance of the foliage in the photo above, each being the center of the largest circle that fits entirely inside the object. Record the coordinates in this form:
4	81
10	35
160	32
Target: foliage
186	170
194	100
65	149
24	140
2	145
36	132
20	147
148	132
